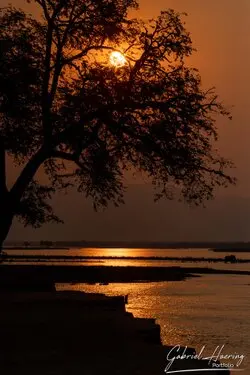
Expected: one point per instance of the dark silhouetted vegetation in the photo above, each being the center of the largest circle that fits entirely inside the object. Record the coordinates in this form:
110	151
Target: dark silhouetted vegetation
66	109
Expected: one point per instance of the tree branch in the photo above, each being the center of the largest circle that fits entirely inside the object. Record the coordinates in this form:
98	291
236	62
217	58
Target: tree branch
27	175
47	95
45	89
3	187
69	157
45	9
85	51
64	39
63	155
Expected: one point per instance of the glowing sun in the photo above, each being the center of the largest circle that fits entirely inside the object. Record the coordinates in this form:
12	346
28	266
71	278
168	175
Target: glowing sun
117	59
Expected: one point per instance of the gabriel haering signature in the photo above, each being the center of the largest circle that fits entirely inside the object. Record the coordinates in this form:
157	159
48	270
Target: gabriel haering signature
226	361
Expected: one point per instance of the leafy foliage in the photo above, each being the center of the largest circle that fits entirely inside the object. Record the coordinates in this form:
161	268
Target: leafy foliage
34	209
62	102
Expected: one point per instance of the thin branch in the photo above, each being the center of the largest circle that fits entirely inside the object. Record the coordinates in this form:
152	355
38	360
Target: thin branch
45	9
69	157
64	39
78	69
58	63
45	89
85	51
27	174
3	186
218	172
63	155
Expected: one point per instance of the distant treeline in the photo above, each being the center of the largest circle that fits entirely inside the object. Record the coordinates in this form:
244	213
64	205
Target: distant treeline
232	250
215	246
80	258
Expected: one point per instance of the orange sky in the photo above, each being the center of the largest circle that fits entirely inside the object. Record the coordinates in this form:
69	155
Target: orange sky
221	32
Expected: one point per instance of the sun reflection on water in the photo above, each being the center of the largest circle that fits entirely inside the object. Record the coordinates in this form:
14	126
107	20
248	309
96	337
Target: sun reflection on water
145	303
212	310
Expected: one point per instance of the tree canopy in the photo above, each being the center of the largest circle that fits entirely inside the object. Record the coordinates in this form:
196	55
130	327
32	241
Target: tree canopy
62	101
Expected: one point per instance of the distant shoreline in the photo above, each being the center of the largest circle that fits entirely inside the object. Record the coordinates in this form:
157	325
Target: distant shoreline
215	249
131	245
82	258
229	250
34	248
49	274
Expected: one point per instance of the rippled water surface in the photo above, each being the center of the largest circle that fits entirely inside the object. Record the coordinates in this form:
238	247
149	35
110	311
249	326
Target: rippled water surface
135	253
213	310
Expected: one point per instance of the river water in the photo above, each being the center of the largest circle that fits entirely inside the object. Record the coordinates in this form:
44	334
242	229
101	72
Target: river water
211	310
136	253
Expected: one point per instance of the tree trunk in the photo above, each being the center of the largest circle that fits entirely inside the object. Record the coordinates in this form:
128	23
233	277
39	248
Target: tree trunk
6	219
10	200
5	212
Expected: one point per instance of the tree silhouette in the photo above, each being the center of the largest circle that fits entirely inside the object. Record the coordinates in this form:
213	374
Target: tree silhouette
65	107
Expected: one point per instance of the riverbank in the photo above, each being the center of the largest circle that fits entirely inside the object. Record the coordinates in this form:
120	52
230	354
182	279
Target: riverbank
129	244
48	274
32	248
41	275
9	258
231	250
74	333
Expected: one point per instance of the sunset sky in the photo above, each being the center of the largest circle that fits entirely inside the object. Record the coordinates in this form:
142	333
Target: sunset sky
220	31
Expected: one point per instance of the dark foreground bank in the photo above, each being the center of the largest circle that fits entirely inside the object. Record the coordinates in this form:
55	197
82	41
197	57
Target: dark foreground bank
12	275
49	275
63	333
